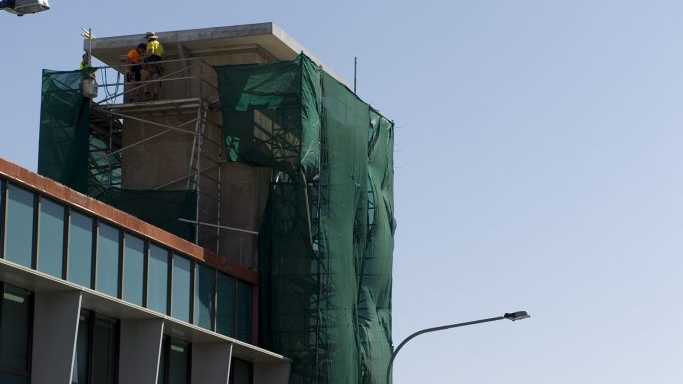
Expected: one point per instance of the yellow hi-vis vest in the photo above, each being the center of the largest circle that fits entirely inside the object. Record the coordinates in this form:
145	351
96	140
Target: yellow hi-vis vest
154	48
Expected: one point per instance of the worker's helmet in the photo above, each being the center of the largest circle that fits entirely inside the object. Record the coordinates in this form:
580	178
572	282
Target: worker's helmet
151	36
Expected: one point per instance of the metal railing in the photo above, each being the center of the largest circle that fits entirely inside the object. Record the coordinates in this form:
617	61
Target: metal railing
194	74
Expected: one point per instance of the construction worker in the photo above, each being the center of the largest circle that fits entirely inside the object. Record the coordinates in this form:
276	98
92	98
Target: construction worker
85	61
134	62
155	53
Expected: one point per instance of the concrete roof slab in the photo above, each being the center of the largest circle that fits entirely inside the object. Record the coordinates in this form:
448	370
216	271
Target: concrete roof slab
268	38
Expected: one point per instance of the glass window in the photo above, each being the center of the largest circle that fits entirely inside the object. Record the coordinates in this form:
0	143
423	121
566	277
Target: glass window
174	366
204	295
15	339
19	228
10	378
80	249
182	283
157	279
51	238
243	311
133	269
241	372
163	361
178	362
96	350
225	312
79	373
107	280
105	349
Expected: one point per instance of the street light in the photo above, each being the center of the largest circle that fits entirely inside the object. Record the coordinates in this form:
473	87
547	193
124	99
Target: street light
24	7
514	316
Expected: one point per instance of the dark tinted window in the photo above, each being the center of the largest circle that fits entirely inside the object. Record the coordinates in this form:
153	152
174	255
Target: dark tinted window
96	350
79	374
174	367
225	312
243	311
15	325
241	372
178	362
104	351
182	283
204	296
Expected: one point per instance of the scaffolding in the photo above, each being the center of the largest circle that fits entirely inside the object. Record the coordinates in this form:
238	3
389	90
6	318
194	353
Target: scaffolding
325	158
172	143
328	237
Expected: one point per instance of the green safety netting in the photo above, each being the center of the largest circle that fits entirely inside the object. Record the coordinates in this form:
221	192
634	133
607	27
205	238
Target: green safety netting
72	151
327	242
161	208
64	124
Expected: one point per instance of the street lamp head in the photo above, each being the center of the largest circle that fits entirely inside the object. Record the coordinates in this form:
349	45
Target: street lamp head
514	316
24	7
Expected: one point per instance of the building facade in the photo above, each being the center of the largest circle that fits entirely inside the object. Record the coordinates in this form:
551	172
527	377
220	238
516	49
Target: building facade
226	216
93	295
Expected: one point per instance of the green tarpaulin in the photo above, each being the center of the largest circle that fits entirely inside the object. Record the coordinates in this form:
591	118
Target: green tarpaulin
64	124
71	154
327	245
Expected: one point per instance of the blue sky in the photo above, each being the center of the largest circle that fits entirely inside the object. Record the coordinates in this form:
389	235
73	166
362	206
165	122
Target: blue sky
538	166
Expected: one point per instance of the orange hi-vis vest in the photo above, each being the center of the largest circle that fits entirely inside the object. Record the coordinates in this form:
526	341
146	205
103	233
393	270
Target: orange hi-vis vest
134	56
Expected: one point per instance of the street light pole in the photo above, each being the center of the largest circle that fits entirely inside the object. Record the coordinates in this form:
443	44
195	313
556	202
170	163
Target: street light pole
515	316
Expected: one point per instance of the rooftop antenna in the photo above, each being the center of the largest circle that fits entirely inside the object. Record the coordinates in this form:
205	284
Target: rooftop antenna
355	74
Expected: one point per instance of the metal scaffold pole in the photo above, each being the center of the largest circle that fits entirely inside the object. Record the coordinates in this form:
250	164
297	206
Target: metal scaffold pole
153	125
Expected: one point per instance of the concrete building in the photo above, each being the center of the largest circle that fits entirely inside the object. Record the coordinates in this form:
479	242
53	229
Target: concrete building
227	221
91	294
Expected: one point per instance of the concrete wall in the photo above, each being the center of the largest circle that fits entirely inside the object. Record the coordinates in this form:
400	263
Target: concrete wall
211	363
140	351
165	159
244	198
57	308
55	328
